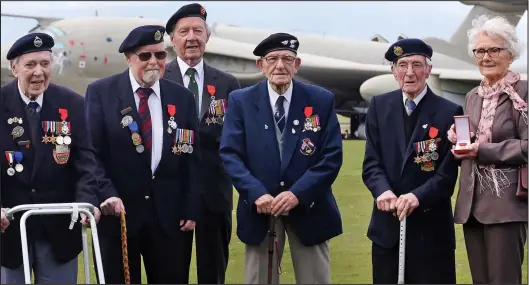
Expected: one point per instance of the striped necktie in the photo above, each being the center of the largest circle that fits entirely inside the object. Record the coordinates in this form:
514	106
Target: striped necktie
145	116
410	105
280	113
193	86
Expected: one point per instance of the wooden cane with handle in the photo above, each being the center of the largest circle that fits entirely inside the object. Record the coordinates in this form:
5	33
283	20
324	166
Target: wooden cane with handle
124	249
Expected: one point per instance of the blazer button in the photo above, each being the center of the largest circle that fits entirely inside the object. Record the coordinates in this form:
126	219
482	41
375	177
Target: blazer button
282	183
33	190
153	177
311	205
146	197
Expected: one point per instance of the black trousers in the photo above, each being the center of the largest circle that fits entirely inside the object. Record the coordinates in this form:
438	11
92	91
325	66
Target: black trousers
426	268
166	259
213	235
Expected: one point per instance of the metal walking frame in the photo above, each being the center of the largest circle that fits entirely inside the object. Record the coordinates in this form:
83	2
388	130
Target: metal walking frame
60	208
402	250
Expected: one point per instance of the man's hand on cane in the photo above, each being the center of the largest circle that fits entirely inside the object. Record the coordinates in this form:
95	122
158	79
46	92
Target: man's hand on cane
5	221
405	205
112	206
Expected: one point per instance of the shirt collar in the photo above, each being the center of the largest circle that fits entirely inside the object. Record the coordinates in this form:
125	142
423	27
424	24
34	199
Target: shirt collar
135	85
417	99
184	67
26	99
274	95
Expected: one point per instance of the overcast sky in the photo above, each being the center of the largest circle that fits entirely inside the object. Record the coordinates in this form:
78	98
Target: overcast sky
358	20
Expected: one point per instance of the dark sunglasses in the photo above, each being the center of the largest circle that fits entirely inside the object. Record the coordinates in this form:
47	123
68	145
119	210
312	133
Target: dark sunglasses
146	56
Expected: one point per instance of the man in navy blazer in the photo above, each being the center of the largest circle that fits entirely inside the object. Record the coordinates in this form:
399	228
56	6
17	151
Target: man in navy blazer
282	146
410	171
144	130
46	158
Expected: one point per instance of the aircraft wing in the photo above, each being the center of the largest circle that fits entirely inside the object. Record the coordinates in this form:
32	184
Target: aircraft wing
42	21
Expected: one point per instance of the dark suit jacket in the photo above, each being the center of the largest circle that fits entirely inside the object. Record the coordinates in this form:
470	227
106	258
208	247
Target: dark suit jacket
508	149
125	173
217	192
43	180
250	154
389	165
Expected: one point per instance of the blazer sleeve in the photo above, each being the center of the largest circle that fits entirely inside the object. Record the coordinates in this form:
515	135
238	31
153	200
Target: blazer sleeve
232	152
192	207
96	128
441	185
510	151
373	172
82	156
319	178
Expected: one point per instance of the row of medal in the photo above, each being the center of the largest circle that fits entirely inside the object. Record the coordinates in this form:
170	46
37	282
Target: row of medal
14	156
217	109
61	129
183	141
312	122
429	154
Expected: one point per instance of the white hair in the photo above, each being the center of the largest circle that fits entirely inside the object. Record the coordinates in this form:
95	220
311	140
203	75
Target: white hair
496	26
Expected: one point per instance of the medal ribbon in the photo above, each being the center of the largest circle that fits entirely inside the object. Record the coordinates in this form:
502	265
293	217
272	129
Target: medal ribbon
171	109
9	157
63	113
18	157
307	112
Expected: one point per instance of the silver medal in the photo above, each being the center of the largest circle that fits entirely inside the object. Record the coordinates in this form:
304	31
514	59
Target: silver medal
19	167
185	148
67	140
125	122
10	121
10	171
435	155
17	132
140	148
59	140
172	124
190	149
65	129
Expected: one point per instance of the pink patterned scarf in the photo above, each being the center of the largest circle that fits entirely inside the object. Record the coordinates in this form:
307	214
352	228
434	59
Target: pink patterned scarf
491	95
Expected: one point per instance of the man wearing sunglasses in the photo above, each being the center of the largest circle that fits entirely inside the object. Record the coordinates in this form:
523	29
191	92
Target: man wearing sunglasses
189	35
144	130
282	146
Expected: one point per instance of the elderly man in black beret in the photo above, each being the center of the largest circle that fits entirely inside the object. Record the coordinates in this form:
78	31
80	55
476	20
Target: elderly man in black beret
411	173
189	35
282	146
145	132
47	158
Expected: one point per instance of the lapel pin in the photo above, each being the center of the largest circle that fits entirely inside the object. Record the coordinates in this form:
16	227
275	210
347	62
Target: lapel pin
296	122
293	131
266	127
424	126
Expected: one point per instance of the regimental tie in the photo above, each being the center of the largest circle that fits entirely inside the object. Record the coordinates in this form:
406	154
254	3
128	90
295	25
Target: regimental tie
145	116
193	86
280	113
34	107
410	104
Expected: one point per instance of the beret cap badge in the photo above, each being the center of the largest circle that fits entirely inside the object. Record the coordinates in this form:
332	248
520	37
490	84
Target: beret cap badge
397	50
157	35
37	42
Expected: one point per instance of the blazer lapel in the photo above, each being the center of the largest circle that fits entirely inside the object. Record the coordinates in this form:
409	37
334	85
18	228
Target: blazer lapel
474	110
210	78
396	122
173	72
127	106
295	112
423	125
168	139
15	108
265	122
49	112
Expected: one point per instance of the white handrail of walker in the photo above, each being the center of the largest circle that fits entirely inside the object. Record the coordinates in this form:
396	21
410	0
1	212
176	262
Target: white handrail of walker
53	209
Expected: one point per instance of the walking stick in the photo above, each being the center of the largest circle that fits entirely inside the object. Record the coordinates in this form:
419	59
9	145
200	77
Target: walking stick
124	249
271	239
402	250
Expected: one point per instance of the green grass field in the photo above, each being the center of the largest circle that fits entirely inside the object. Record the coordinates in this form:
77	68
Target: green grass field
350	252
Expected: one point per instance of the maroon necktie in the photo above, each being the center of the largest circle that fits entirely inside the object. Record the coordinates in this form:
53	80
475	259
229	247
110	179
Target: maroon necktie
145	116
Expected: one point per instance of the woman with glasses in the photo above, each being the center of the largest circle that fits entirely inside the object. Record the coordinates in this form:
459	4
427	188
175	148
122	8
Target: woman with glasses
493	214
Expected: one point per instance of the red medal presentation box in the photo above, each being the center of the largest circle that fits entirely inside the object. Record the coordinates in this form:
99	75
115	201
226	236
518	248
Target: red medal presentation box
462	129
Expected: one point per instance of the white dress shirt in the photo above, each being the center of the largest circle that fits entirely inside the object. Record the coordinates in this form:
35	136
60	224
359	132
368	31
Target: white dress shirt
155	108
416	100
27	100
274	96
199	77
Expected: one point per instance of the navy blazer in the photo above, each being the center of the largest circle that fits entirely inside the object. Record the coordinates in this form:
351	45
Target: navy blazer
43	180
250	154
127	174
389	165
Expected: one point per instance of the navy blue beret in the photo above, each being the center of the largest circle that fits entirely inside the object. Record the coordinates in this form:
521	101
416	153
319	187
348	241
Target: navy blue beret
191	10
279	41
142	36
407	47
30	43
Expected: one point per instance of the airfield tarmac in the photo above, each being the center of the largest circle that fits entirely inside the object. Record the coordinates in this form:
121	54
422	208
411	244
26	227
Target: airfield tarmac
350	252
